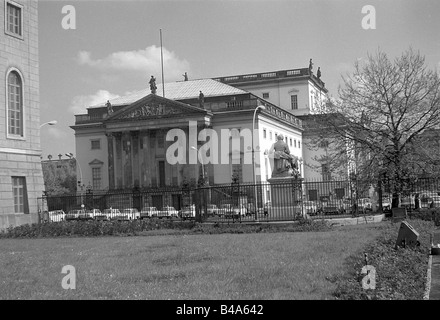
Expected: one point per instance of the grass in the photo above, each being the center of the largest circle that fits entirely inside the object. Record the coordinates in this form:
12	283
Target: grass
284	265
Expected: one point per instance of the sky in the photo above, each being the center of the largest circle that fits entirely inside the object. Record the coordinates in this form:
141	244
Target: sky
113	47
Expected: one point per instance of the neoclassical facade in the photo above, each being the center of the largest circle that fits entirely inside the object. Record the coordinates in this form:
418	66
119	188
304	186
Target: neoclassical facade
146	140
21	177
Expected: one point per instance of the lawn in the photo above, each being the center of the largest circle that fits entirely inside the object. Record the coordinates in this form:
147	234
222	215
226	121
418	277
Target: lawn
285	265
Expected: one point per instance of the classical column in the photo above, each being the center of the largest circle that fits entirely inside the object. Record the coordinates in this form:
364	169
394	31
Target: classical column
118	159
126	160
135	157
111	165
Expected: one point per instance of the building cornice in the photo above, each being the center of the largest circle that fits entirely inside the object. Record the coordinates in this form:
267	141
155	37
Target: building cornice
26	152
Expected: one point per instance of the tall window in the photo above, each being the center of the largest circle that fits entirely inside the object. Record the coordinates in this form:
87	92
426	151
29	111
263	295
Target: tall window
264	133
19	193
14	19
326	175
96	175
236	161
15	104
294	101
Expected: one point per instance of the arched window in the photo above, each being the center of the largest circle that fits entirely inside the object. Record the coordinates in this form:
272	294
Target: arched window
15	104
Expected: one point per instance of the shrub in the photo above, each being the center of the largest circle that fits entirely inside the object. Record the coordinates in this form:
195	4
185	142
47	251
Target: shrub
432	214
400	273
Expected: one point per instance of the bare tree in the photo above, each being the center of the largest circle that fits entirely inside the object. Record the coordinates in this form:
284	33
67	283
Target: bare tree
384	110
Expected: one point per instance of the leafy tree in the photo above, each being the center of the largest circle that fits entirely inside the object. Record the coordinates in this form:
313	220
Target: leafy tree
381	119
59	176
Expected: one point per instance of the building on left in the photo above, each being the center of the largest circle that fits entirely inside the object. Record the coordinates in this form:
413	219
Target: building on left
21	177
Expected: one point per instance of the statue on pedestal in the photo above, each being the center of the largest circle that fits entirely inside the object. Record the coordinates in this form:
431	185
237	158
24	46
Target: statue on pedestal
285	164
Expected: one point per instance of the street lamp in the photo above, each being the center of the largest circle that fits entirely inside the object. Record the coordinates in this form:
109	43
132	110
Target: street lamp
70	155
50	123
253	159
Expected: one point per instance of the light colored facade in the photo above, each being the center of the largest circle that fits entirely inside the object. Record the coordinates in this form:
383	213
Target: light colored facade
295	90
128	147
21	177
300	92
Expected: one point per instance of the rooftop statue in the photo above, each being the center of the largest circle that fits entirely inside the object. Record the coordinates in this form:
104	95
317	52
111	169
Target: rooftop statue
152	83
109	107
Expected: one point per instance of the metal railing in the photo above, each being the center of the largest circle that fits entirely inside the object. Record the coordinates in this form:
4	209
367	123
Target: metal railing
241	202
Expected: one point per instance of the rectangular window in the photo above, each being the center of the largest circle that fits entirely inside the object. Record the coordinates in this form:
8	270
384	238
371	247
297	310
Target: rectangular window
20	195
294	143
313	195
14	19
294	102
95	144
265	95
291	142
96	175
270	135
340	193
299	144
264	133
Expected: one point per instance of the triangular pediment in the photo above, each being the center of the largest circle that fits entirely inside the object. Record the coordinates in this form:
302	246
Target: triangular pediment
96	162
153	106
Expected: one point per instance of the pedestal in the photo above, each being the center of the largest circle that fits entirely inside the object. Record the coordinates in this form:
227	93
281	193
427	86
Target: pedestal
285	191
286	195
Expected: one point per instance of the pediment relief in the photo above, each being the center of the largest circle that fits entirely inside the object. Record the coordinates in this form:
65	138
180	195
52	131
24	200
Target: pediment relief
151	110
96	162
293	91
154	107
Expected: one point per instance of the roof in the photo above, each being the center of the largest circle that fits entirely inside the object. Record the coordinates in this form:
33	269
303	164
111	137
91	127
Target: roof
180	90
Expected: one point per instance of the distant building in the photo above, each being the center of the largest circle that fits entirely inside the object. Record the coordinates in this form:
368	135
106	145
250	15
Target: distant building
21	177
128	148
300	92
295	90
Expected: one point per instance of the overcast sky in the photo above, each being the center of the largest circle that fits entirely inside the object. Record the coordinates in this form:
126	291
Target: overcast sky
115	47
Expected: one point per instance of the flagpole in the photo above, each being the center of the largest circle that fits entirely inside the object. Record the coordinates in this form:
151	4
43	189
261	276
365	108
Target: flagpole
161	62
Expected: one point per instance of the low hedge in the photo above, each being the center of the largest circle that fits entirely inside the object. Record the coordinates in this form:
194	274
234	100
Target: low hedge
432	214
93	228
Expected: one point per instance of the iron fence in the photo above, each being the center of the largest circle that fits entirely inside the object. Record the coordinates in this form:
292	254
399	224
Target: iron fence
240	202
